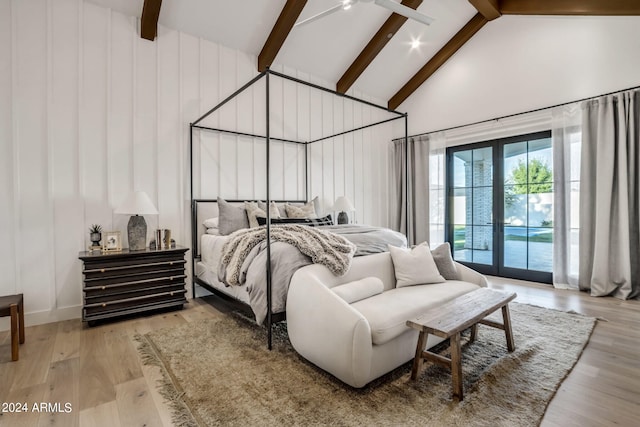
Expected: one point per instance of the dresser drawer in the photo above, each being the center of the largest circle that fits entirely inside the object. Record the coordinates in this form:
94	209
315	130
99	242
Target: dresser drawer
133	305
132	277
117	291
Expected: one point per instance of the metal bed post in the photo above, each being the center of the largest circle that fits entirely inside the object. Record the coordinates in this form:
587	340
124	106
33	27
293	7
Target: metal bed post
406	177
306	170
268	212
194	238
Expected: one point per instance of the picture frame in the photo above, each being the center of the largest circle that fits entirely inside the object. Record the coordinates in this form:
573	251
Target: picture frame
111	241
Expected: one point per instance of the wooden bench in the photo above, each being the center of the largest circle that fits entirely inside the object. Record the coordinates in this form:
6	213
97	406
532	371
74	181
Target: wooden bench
13	305
450	319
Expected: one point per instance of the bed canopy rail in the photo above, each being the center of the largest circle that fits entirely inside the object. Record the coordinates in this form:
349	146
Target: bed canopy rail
196	126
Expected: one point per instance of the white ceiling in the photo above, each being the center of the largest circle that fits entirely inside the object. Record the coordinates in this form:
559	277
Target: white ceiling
324	48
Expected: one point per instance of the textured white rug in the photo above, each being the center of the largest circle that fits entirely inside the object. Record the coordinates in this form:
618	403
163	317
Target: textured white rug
219	372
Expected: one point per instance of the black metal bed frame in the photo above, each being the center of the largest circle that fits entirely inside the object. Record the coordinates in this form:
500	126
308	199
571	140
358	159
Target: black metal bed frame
271	317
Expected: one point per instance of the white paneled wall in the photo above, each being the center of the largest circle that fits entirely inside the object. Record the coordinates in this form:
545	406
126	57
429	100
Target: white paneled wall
89	112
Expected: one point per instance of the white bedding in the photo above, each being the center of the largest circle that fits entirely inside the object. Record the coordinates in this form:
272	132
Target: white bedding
207	268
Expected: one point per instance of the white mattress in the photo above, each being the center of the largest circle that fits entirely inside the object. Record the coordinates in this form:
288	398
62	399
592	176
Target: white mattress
207	268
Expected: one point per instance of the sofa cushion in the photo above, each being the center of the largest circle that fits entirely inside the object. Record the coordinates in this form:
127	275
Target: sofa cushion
444	262
388	312
359	289
414	266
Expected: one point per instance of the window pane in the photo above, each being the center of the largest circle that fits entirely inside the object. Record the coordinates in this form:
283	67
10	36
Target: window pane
460	160
540	247
540	207
483	206
482	172
460	250
515	206
483	245
515	247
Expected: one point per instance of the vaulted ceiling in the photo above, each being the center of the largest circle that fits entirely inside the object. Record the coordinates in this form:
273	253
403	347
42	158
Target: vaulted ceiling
365	47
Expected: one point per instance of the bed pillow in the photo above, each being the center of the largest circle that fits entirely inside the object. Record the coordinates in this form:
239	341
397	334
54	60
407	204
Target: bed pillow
444	262
213	231
316	205
359	289
231	218
312	222
414	266
305	211
254	212
211	223
282	212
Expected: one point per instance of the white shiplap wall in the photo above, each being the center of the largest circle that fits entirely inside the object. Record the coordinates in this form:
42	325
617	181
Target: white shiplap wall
89	112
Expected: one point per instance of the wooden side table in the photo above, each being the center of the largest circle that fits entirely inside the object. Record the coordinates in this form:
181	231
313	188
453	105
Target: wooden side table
13	305
453	317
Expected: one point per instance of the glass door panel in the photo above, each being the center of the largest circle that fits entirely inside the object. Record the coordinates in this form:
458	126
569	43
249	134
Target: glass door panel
471	207
527	238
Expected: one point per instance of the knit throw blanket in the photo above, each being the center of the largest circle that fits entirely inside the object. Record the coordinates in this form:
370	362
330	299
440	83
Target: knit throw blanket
323	247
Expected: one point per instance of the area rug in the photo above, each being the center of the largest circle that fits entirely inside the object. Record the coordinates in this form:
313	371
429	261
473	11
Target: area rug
219	372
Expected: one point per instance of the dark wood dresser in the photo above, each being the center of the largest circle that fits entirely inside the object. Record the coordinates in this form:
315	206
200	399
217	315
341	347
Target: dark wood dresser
129	282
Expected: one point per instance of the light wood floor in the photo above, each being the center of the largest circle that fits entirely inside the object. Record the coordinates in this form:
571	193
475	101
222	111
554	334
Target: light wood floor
99	373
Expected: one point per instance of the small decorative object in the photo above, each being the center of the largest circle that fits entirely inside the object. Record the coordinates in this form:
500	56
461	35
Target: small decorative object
95	234
166	241
136	205
343	205
112	241
158	239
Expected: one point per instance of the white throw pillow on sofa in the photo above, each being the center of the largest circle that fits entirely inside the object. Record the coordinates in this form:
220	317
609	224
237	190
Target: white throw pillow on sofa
359	289
414	266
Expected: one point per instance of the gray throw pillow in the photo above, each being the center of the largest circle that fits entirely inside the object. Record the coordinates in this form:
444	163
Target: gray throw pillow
231	218
444	262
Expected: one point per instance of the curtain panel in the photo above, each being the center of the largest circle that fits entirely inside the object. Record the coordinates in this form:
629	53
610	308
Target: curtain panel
610	196
418	204
566	128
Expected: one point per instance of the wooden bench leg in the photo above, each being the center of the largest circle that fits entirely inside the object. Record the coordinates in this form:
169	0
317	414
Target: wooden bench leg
13	308
456	366
417	360
21	320
506	319
474	333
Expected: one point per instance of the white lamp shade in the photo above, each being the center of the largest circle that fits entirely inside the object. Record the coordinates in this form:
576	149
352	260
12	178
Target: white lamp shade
343	204
137	203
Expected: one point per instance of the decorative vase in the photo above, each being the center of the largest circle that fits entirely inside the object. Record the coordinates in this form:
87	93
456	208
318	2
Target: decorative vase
343	218
95	239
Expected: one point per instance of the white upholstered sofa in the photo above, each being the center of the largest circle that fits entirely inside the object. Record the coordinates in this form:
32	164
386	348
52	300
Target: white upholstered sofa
358	342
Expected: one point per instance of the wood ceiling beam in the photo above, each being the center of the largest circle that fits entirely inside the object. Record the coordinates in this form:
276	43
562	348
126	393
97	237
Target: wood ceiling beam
447	51
490	9
149	20
374	47
288	17
570	7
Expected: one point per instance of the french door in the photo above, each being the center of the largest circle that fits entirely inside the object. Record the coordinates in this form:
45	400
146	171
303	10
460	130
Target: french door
500	206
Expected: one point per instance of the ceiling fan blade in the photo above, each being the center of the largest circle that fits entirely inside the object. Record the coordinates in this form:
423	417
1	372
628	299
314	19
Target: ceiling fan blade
319	15
404	11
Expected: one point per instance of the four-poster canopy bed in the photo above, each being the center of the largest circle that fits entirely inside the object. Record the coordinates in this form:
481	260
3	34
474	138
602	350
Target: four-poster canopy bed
198	205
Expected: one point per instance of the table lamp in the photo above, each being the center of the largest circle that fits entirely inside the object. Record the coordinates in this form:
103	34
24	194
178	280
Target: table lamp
136	205
343	205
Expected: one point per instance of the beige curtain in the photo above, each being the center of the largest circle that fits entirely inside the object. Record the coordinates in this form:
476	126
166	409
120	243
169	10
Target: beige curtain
610	196
418	203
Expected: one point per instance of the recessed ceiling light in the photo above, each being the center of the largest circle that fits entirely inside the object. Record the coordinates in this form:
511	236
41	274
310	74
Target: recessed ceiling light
415	43
346	4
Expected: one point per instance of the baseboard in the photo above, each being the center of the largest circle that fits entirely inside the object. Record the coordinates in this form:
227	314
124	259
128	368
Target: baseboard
42	317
